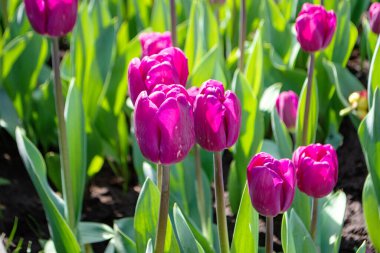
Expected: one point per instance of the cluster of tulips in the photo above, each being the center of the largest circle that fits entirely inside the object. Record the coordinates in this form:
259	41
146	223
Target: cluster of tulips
169	120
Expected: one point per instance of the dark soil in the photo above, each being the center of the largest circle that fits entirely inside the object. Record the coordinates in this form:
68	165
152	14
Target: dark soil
105	200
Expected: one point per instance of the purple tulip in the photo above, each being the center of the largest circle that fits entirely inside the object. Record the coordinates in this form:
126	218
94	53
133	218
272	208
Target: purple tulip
316	169
271	184
167	67
287	105
164	124
315	27
374	17
193	93
52	17
217	116
153	42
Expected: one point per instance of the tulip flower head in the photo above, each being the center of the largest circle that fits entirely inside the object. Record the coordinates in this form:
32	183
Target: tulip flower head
287	105
193	93
153	42
52	17
316	169
374	17
315	27
164	124
271	184
167	67
359	102
217	116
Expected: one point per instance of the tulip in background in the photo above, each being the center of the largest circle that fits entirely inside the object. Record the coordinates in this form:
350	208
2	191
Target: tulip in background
287	106
317	173
315	27
167	67
52	17
154	42
358	104
374	17
271	185
217	117
164	127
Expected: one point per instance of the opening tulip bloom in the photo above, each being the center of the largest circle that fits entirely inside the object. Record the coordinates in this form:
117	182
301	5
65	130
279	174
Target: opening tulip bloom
153	42
217	116
164	124
316	169
52	17
315	27
287	106
167	67
374	17
271	184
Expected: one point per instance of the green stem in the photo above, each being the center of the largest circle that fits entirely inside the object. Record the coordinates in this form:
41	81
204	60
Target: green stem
63	148
220	206
243	28
173	19
200	191
159	176
308	98
269	235
4	13
164	210
314	218
370	89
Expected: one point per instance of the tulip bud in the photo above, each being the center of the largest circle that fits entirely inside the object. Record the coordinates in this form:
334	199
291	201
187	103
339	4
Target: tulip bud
315	27
271	184
167	67
217	116
153	43
193	93
287	105
164	124
374	17
316	169
52	17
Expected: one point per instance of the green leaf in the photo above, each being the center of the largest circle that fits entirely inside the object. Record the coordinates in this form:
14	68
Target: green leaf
8	115
371	212
369	135
4	181
185	236
281	135
362	248
93	232
330	222
124	236
202	33
294	235
269	97
77	146
160	21
250	139
146	219
203	72
313	114
246	233
254	67
62	236
374	76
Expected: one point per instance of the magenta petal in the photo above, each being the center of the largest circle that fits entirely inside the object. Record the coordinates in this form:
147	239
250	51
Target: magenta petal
153	43
209	123
36	12
160	74
177	131
135	82
374	17
179	62
147	127
61	16
232	118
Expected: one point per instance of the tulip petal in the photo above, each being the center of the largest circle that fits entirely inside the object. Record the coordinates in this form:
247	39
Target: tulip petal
135	82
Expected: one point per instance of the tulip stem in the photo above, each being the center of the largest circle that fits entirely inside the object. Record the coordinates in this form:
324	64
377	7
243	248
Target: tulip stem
164	210
243	24
220	206
200	192
314	218
63	147
375	55
173	22
308	98
269	235
159	176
